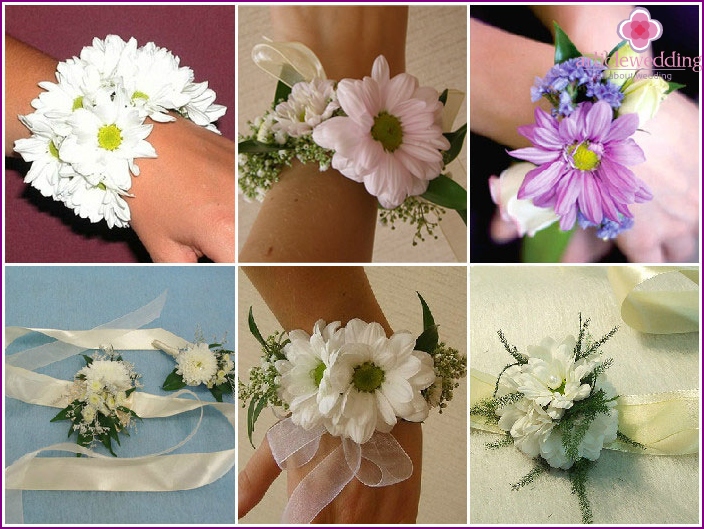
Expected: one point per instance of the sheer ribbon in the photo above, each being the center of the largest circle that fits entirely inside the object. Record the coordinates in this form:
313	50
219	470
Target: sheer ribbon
665	423
161	471
658	311
379	462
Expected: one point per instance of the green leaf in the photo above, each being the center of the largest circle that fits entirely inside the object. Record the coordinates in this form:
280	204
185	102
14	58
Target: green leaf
63	414
443	96
214	345
547	246
428	340
445	192
253	412
672	86
173	382
254	329
217	392
428	320
257	147
282	91
456	140
564	47
88	359
107	442
615	49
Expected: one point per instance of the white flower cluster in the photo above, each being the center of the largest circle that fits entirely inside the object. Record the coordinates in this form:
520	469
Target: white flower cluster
308	105
551	382
198	364
353	379
102	389
88	127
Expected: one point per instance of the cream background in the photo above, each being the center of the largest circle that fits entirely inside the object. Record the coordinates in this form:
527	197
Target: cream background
444	485
531	302
436	53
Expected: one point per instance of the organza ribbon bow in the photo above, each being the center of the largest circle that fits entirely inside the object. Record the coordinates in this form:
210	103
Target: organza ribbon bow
379	462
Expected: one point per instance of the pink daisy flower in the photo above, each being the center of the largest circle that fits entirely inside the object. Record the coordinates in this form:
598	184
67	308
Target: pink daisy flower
391	137
582	164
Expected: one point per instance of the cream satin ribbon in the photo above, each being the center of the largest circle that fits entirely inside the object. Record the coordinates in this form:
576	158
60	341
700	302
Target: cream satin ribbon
293	62
657	312
665	423
379	462
154	472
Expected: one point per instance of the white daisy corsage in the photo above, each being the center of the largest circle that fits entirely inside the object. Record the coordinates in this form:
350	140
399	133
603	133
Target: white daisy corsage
385	132
89	127
354	383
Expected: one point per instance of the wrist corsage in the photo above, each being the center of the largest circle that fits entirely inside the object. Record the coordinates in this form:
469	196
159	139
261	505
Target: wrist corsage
388	133
352	382
579	169
98	400
89	127
201	363
555	405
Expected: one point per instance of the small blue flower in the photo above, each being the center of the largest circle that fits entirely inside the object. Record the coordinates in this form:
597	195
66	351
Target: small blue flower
608	229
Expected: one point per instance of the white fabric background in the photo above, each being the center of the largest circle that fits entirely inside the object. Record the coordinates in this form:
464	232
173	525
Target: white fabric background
531	302
436	53
444	487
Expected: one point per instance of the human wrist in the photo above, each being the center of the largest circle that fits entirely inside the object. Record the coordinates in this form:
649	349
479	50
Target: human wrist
90	126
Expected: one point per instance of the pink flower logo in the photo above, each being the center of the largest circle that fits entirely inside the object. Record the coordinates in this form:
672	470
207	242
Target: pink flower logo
639	30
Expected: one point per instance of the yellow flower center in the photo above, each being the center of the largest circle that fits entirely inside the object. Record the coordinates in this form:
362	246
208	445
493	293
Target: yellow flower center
584	158
367	377
109	137
317	373
139	95
53	150
77	103
387	130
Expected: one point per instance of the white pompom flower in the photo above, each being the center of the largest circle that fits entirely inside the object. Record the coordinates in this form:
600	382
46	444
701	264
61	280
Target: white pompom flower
197	365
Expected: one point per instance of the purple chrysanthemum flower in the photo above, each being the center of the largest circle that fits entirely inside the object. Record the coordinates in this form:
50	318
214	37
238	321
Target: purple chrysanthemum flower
608	229
582	164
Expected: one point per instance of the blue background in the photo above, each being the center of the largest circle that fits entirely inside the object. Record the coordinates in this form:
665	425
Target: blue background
81	298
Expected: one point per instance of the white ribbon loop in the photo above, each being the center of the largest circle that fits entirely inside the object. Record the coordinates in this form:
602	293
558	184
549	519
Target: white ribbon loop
377	463
289	62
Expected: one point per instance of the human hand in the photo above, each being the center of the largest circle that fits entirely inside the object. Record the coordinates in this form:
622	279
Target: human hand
184	201
356	503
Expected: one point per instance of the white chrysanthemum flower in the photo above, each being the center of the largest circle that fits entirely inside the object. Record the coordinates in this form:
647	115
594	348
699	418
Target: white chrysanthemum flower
391	137
308	105
374	380
155	82
528	424
201	109
114	376
552	378
197	365
106	55
104	142
78	84
308	357
42	150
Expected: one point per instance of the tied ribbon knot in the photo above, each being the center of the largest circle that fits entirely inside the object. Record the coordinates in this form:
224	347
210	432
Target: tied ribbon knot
379	462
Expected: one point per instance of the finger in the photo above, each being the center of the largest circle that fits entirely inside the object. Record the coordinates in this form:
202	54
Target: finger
502	231
256	478
219	241
165	251
585	247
